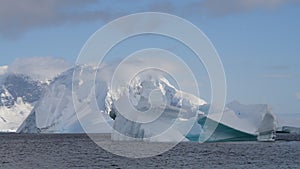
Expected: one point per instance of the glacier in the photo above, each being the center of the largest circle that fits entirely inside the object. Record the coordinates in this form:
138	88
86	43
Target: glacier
168	114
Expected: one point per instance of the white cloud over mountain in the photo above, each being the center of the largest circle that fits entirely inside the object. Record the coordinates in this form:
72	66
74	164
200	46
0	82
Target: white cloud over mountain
41	68
17	17
221	8
3	69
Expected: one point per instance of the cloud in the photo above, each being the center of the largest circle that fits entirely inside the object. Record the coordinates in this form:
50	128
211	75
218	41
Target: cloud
17	17
278	76
298	95
222	8
218	8
280	67
3	70
159	64
41	68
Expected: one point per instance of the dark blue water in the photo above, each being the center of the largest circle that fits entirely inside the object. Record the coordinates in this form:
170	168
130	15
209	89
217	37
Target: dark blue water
78	151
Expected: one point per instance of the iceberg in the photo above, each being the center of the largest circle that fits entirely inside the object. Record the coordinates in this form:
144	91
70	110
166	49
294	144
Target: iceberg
238	123
150	108
55	113
172	112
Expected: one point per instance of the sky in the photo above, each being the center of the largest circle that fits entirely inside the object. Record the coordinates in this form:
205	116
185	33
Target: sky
257	41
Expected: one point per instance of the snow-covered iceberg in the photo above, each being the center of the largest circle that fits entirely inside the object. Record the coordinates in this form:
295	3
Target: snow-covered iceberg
172	113
239	122
55	113
186	116
168	114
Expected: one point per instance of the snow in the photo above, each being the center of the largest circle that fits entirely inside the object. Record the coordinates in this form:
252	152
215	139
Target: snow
55	113
246	120
239	120
148	108
18	97
172	116
11	118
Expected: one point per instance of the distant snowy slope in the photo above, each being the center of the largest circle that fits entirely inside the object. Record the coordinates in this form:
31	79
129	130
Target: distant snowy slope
18	95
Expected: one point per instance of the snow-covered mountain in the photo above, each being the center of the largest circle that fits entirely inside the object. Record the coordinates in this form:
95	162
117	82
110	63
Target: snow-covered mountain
149	108
18	95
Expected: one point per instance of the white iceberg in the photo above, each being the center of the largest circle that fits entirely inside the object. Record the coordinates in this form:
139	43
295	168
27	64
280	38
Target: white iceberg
169	114
55	113
238	122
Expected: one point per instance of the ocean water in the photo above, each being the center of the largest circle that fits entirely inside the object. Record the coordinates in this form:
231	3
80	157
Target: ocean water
78	151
